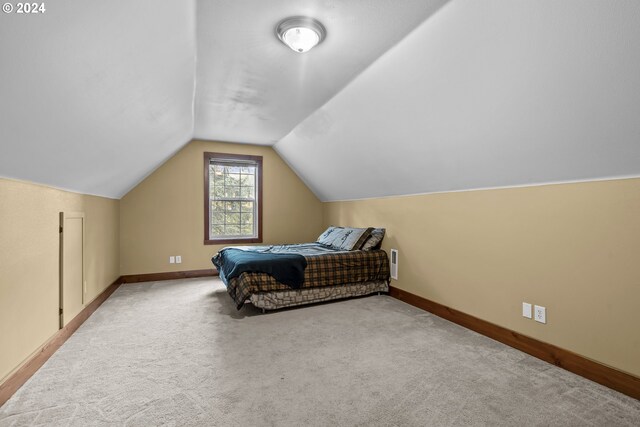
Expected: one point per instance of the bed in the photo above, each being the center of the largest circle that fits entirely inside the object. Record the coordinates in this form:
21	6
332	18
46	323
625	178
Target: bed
344	262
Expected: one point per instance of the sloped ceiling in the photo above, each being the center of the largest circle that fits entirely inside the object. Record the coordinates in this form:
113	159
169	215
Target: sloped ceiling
484	94
488	93
253	89
94	95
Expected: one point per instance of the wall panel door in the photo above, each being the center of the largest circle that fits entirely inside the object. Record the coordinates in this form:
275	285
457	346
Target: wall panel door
72	290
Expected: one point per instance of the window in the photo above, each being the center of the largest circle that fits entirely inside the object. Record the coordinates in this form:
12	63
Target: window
232	198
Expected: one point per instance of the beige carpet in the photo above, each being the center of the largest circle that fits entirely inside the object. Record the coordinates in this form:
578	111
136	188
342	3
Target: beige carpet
178	353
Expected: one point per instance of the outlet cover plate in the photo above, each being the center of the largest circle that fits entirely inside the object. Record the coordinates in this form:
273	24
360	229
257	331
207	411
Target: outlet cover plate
540	313
172	260
526	310
178	259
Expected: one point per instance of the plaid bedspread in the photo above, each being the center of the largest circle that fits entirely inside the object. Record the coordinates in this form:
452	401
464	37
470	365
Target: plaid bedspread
329	269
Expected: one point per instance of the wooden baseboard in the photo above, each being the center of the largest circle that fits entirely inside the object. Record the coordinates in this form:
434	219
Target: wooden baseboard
20	376
594	371
170	275
580	365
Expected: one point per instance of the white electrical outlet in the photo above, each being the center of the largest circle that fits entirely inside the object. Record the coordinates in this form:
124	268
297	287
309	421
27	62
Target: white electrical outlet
172	260
178	259
540	314
526	310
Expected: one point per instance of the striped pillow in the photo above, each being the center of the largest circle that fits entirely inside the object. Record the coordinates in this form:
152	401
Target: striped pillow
375	240
345	238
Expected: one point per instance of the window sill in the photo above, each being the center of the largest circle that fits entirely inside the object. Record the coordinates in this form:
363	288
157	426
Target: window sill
233	241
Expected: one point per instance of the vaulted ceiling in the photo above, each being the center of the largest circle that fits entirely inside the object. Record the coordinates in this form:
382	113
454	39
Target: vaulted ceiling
95	95
252	89
484	94
402	97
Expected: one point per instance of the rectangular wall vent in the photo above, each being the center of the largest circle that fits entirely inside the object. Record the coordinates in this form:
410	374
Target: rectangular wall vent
394	264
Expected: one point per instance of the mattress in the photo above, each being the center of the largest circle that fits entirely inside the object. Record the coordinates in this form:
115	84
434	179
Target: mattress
293	297
326	267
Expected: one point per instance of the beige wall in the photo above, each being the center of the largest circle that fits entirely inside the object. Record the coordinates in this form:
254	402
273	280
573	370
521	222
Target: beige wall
164	214
29	259
573	248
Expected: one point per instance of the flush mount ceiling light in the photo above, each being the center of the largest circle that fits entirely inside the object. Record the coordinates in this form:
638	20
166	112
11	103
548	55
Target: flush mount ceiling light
300	33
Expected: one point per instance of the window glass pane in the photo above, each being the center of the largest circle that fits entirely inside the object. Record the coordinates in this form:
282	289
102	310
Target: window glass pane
217	229
216	178
218	192
232	230
233	218
232	206
247	230
247	206
233	169
246	218
247	180
232	179
217	206
217	217
231	192
247	192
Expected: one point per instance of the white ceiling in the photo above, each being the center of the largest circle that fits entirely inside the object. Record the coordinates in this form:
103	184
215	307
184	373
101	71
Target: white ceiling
96	95
251	88
484	94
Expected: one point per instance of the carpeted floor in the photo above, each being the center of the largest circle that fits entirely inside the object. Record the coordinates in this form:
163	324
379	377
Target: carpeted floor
178	353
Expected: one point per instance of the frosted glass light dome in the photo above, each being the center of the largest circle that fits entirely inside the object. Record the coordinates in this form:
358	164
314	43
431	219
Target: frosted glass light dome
300	39
300	33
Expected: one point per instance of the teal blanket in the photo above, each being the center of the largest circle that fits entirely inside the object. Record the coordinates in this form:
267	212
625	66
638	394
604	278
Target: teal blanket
286	268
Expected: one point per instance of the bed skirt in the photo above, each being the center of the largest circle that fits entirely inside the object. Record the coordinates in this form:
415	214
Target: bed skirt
279	299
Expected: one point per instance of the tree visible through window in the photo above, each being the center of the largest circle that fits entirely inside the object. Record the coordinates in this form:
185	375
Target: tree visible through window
233	199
